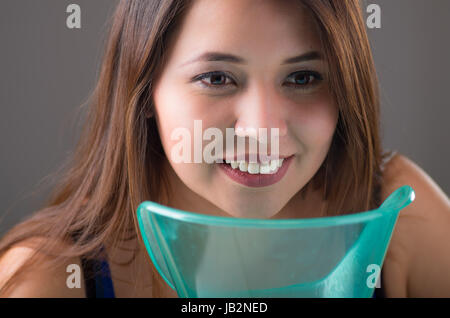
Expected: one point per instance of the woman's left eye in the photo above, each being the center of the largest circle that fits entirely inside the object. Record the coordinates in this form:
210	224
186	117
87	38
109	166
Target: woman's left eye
303	79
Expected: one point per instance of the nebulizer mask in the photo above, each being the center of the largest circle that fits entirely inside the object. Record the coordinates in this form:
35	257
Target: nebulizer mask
207	256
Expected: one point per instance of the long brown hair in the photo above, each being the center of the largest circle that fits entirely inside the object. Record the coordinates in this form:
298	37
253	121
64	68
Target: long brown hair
118	160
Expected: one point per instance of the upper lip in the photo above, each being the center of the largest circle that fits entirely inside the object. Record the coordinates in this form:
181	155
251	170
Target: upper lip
247	157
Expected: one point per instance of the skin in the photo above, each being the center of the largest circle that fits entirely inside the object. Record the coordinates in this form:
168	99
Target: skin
418	257
257	94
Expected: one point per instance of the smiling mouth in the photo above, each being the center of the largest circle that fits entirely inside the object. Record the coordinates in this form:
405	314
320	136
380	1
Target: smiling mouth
270	167
255	174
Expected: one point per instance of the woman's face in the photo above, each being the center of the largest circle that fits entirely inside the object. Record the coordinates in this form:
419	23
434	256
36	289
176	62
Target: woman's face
264	87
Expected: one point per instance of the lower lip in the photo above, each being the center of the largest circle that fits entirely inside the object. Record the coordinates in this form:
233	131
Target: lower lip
256	180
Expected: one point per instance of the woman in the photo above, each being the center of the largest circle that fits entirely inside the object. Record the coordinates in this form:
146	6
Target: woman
303	67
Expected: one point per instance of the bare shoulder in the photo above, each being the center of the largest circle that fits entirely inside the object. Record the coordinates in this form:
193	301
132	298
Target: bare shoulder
42	280
419	253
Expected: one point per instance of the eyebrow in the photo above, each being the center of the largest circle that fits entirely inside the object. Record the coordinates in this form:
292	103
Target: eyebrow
218	56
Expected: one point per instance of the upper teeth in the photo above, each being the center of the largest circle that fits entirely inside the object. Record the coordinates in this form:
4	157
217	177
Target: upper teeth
254	168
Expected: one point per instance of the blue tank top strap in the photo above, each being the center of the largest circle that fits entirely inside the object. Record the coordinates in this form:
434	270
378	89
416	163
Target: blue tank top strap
103	284
98	282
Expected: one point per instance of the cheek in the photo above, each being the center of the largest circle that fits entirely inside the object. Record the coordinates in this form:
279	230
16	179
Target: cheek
173	111
177	110
314	122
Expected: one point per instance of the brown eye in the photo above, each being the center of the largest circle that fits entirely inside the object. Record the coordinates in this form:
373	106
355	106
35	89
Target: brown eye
214	80
304	79
217	79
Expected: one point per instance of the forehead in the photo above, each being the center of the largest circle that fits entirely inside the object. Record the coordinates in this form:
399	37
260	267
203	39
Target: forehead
246	27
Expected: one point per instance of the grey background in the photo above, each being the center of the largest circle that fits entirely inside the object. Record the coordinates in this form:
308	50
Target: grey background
47	71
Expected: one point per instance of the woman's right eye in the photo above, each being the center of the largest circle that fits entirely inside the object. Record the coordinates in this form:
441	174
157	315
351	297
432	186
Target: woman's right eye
214	80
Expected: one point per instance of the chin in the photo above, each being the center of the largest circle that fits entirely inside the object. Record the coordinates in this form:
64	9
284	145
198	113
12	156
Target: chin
252	211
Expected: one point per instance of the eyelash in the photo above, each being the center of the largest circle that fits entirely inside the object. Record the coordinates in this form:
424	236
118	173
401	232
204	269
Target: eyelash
317	76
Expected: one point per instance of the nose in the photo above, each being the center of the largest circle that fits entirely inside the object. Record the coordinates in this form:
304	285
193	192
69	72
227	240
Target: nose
261	107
